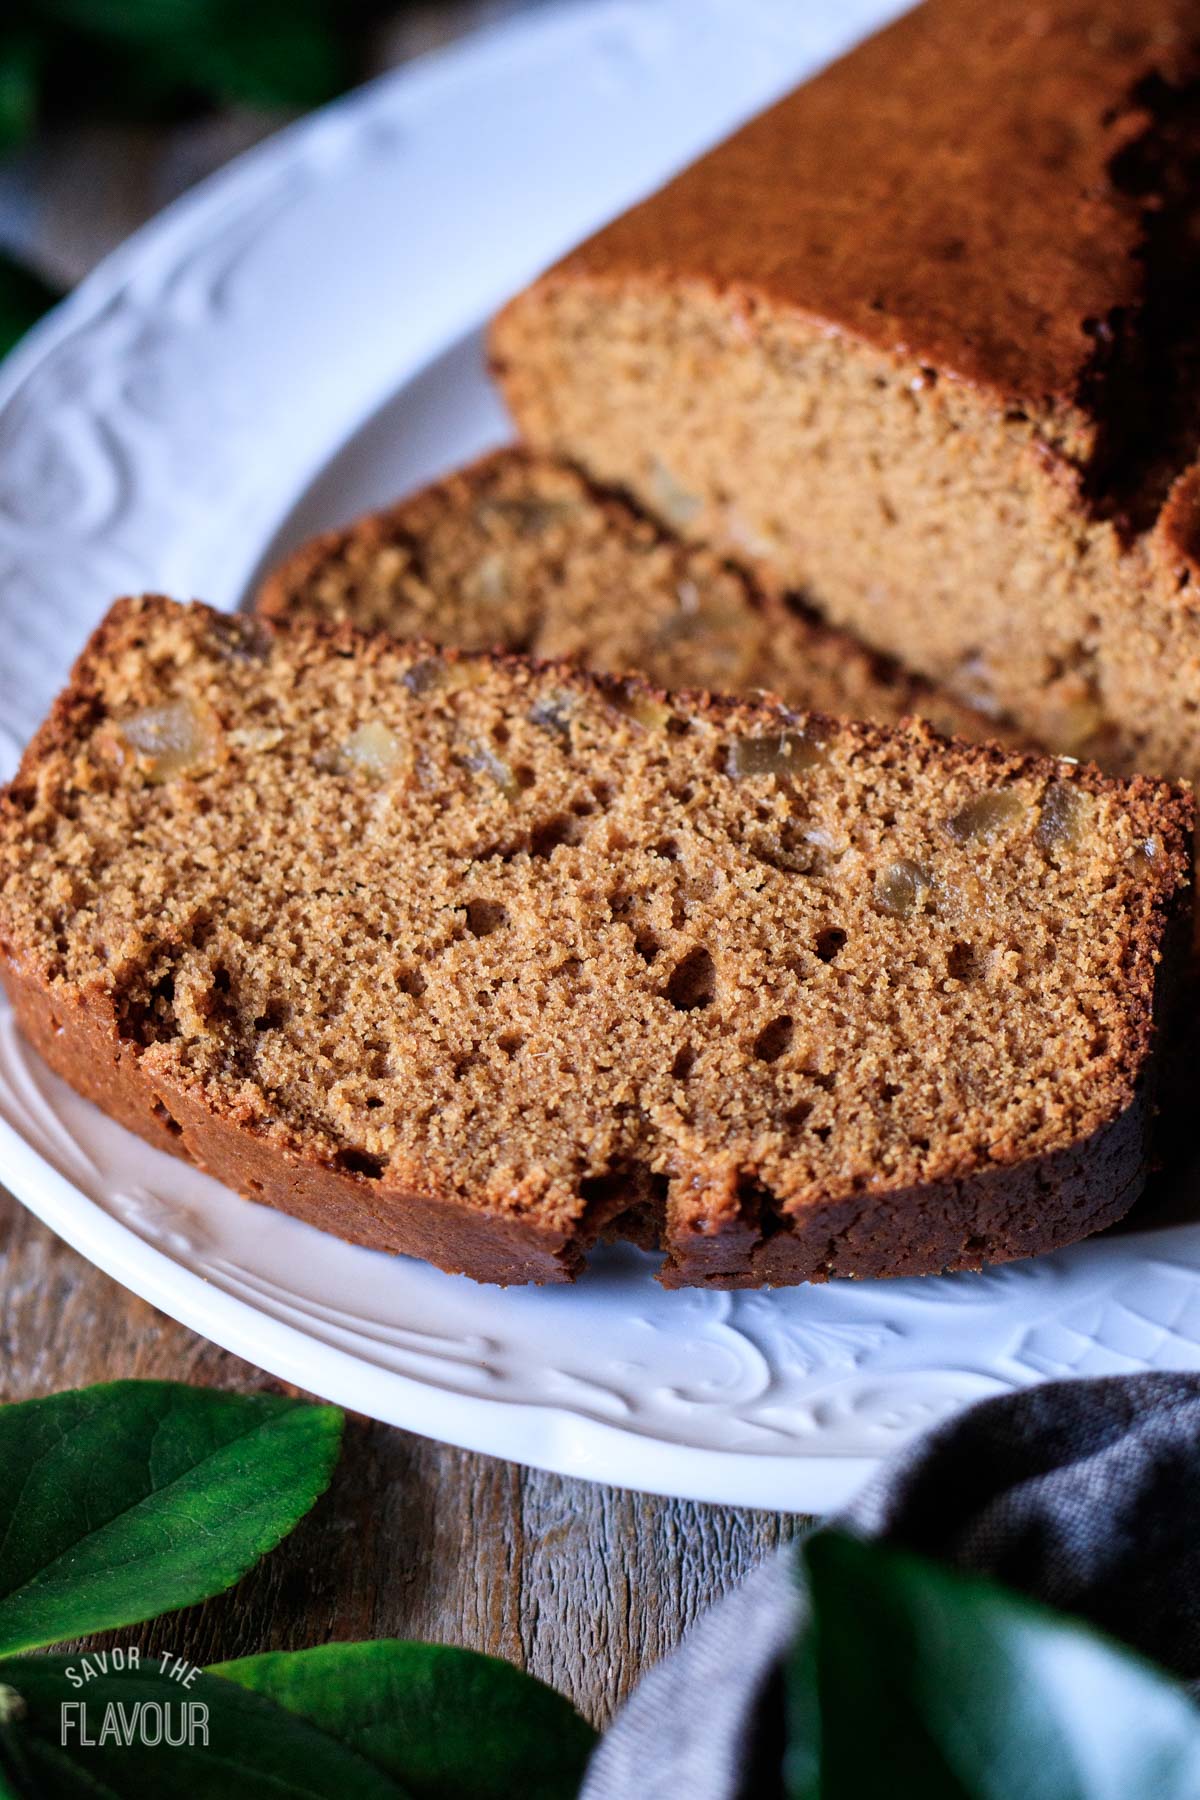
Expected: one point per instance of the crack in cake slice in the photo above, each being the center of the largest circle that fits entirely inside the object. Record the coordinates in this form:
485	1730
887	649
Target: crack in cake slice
479	959
520	552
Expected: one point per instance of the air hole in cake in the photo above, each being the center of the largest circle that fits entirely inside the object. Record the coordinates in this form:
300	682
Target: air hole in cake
546	837
166	1118
962	963
524	776
684	1063
647	946
668	848
798	1115
484	917
150	1018
510	1042
256	1187
773	1039
830	943
411	981
756	1201
270	1020
824	1132
693	982
360	1162
373	1103
787	851
888	1091
628	1193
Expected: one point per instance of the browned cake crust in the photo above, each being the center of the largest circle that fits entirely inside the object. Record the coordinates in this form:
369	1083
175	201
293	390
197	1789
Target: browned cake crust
920	343
520	552
478	959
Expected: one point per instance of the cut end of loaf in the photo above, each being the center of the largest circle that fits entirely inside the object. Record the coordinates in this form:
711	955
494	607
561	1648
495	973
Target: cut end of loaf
520	552
483	959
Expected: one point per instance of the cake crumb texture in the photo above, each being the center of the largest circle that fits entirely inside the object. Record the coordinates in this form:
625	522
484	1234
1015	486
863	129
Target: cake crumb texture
520	552
479	958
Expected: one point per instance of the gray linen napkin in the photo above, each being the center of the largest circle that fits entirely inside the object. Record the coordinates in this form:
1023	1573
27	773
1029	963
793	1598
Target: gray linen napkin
1080	1493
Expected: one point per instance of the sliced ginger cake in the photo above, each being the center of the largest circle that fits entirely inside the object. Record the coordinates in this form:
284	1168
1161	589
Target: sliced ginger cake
478	959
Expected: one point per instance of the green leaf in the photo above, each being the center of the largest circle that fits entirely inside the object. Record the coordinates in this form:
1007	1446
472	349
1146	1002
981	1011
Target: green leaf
24	297
134	1498
937	1684
19	67
449	1724
62	1741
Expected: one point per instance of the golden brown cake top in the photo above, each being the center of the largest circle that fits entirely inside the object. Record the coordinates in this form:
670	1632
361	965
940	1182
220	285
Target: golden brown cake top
967	188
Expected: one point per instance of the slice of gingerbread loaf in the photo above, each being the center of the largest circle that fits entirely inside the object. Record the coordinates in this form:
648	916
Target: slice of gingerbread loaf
520	552
477	959
920	343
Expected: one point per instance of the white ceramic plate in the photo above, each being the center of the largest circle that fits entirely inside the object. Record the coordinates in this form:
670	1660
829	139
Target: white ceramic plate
294	342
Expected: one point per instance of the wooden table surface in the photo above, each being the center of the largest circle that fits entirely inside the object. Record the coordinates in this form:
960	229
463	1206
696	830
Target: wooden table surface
583	1585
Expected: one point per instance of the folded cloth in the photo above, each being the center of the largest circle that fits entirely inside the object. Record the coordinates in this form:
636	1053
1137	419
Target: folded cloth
1079	1493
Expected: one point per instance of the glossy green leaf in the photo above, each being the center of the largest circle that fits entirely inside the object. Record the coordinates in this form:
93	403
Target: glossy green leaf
24	297
123	1501
937	1684
448	1724
126	1736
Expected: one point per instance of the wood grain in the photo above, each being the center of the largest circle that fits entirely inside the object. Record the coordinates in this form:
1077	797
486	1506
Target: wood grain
584	1585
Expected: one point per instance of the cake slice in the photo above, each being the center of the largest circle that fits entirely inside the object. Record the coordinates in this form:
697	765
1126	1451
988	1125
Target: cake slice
478	959
520	552
920	343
